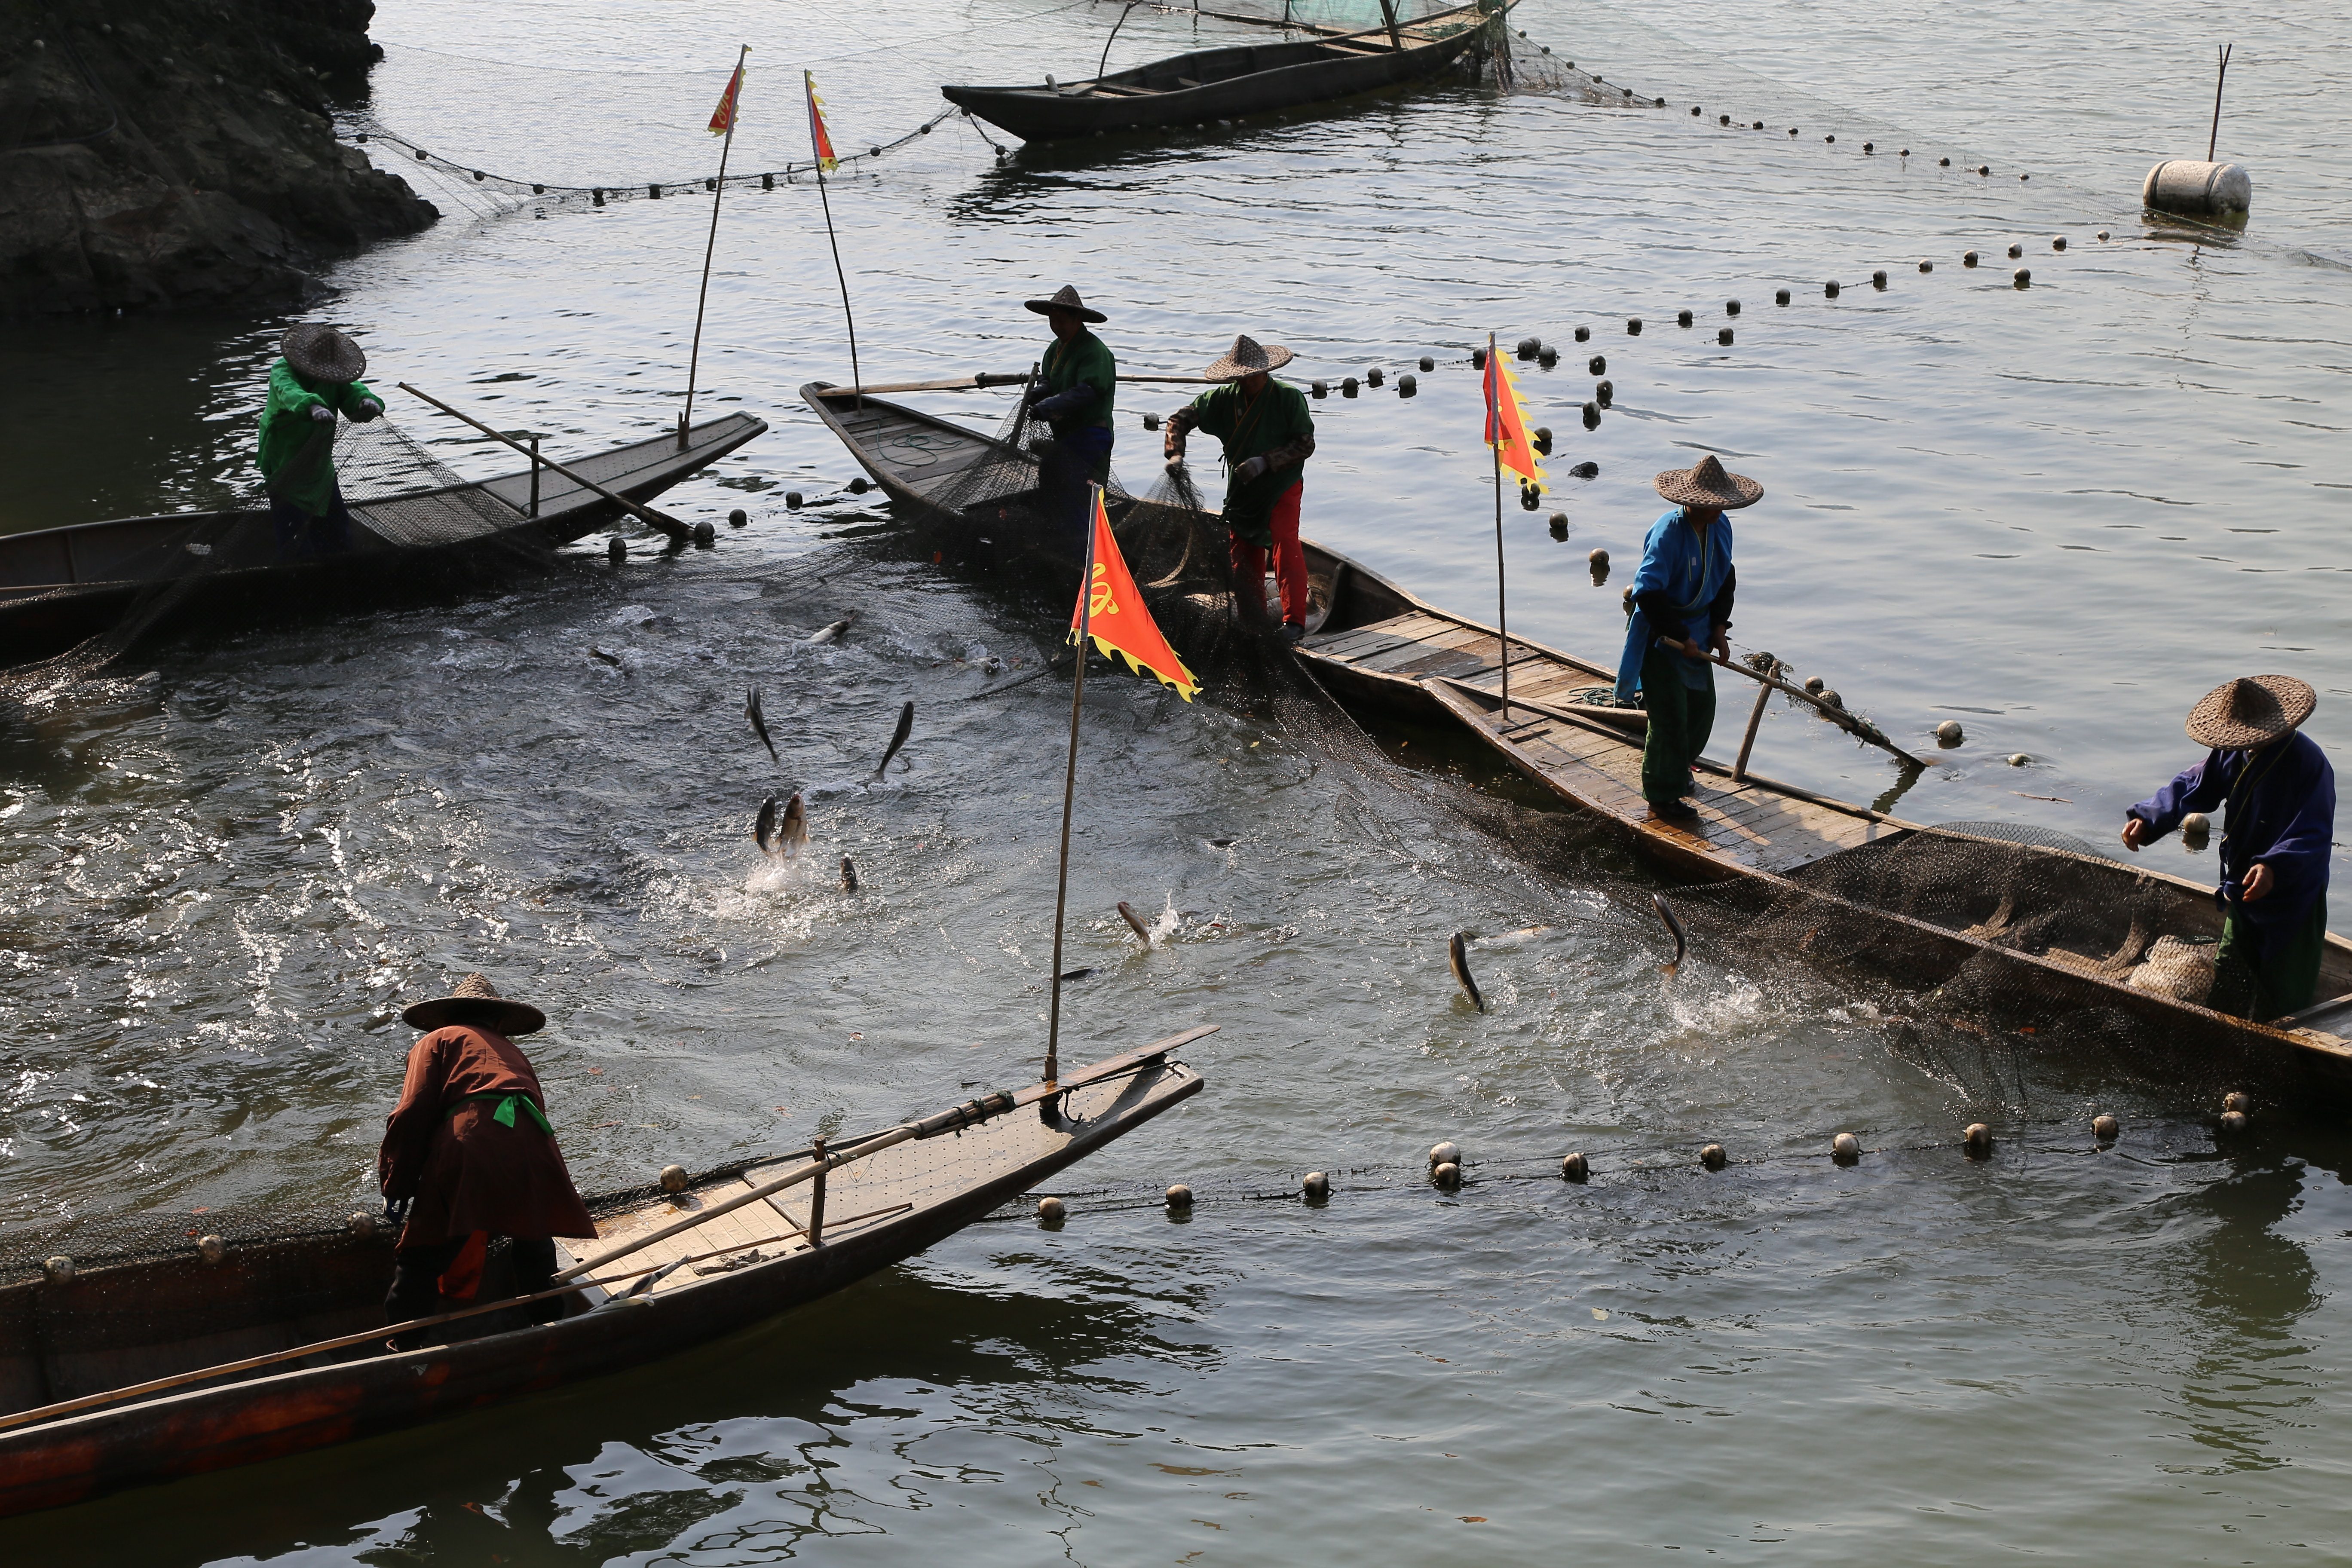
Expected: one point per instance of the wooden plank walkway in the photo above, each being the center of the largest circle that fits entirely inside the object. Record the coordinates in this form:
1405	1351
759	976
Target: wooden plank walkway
1593	757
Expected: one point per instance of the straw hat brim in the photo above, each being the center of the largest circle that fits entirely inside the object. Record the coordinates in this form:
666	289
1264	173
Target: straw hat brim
1677	486
2211	725
1227	369
498	1015
321	353
1087	313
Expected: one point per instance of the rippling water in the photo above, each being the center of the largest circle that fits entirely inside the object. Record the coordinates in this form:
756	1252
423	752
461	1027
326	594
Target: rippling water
2060	513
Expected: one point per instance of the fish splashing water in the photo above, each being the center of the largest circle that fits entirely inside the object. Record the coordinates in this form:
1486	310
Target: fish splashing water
1457	954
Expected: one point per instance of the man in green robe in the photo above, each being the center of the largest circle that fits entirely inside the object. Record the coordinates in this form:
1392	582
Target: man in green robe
1077	382
1267	436
316	378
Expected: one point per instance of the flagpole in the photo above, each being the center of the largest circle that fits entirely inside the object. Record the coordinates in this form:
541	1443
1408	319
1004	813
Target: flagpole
1494	440
858	400
1070	788
694	357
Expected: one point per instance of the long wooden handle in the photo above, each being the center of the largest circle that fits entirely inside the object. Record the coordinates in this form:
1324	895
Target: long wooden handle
1861	729
984	379
644	514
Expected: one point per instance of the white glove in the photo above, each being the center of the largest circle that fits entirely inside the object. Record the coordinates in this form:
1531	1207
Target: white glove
1250	470
321	413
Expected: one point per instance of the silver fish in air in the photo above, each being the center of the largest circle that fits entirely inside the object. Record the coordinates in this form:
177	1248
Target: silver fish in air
832	632
1457	954
782	835
898	739
752	710
1135	922
1674	923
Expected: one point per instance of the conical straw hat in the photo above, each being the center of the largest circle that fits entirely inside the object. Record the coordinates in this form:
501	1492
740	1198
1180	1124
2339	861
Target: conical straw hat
1709	484
476	1002
1066	298
320	353
2251	711
1248	357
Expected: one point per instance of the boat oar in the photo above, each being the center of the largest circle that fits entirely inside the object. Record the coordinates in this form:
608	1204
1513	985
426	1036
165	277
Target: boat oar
1861	729
660	521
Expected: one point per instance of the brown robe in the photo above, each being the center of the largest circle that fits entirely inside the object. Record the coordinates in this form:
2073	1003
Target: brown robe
465	1172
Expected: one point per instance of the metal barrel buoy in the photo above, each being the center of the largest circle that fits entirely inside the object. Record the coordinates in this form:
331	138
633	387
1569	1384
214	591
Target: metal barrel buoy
1477	358
1845	1148
2102	234
1530	347
1320	388
1152	421
1575	1168
1316	1187
2105	1127
1984	169
1597	366
1695	109
211	1249
1180	1197
704	533
738	518
1870	146
58	1269
1448	1175
1723	119
673	1178
1723	336
1559	525
1543	439
1713	1157
1829	141
1347	386
1547	356
1949	733
1779	295
1814	683
1051	1211
1976	1140
1943	163
2200	190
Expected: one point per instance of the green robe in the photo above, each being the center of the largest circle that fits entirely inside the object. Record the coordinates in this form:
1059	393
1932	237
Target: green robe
1086	357
1248	429
297	454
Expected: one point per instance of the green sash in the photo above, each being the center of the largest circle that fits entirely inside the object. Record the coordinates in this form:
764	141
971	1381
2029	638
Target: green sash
504	1114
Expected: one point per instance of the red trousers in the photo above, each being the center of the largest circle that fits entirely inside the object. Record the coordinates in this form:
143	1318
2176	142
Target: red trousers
1289	563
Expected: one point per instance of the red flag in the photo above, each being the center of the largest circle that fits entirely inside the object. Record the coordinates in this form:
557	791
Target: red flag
819	140
1114	616
1507	422
722	119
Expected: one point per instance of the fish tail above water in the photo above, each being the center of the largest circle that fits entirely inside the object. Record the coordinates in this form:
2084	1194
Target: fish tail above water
763	831
898	737
752	711
1675	925
1135	923
1457	955
793	831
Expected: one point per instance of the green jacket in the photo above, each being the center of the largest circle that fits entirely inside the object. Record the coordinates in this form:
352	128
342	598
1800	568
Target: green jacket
1086	357
297	453
1276	424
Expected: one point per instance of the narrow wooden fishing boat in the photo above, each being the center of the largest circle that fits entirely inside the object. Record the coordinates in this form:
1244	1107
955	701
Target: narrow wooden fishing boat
117	1376
1228	83
59	585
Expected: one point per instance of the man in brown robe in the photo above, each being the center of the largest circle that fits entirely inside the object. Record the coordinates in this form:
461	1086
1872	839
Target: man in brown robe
468	1154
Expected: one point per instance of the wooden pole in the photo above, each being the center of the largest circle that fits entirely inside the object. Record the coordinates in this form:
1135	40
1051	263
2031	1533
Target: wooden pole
534	476
661	521
1388	14
1494	440
1070	788
1859	729
855	377
694	356
2215	140
1748	741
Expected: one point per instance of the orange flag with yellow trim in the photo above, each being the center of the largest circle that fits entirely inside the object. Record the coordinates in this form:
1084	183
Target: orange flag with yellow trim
1112	612
820	139
1507	422
722	119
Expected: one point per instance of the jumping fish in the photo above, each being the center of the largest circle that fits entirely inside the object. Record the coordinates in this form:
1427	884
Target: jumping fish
1674	923
828	634
752	710
1457	953
1078	973
898	738
848	876
763	831
1135	922
782	835
611	659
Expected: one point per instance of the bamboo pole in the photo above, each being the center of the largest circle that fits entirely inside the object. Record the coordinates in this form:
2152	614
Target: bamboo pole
694	356
1748	740
1070	787
855	377
659	520
1861	729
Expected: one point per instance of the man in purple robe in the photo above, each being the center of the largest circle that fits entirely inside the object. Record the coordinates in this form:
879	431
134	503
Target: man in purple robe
2275	841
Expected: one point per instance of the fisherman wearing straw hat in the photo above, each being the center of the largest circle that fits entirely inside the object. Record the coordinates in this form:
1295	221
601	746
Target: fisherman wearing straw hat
468	1154
317	376
1681	594
2275	841
1077	383
1268	436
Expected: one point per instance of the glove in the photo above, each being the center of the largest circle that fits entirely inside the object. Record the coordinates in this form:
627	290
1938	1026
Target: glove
1250	470
1062	402
322	414
367	409
395	1211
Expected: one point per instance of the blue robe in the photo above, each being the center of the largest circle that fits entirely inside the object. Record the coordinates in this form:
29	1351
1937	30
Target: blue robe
1692	577
2283	816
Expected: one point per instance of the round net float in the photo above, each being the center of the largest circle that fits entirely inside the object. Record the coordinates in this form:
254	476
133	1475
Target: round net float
860	485
1829	141
211	1249
1830	695
1530	498
1695	109
1530	347
2102	234
2015	250
2057	242
1051	1211
1779	295
1152	421
1829	289
1713	1157
361	1225
1759	125
1559	525
673	1178
1374	376
2234	1121
704	532
1682	317
794	499
2197	822
2020	760
1180	1197
58	1269
1792	130
1547	356
2105	1127
1904	153
2022	278
2233	1100
1943	163
1633	327
1316	1187
1347	386
1814	683
1320	388
1407	385
1976	1140
1604	392
1477	358
1583	335
1543	439
617	550
1731	307
1926	265
1723	119
1870	146
1599	558
1588	470
738	518
1845	1148
1949	733
1449	1174
1968	259
1575	1168
1591	417
1446	1153
1597	366
1723	336
1878	279
1984	168
1428	362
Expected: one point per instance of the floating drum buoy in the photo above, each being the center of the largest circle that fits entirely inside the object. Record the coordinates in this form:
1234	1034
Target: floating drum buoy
58	1269
1530	498
2200	190
1976	1140
1693	109
1731	307
2057	242
1905	153
1559	525
2196	825
1591	417
1633	327
1407	385
1448	1175
1597	366
1180	1197
211	1249
1604	392
1427	363
1583	335
860	485
2015	250
2105	1127
1878	279
1348	387
1547	356
1712	1157
1792	130
794	499
1316	1187
1759	125
2022	278
1926	266
1948	733
1845	1148
1374	376
2233	1100
1682	317
1724	337
673	1178
1051	1211
1829	289
1779	295
1968	259
1575	1168
1599	559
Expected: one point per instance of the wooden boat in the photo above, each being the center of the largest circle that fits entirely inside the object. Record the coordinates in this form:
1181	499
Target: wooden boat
104	1377
1858	885
59	585
1228	83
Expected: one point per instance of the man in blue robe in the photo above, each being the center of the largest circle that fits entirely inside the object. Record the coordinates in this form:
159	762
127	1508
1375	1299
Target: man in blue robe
2275	841
1681	594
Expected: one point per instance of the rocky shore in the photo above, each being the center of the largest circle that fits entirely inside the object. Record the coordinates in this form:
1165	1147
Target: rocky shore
160	154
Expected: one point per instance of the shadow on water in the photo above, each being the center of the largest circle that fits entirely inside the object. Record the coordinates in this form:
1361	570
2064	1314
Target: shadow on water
759	1409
